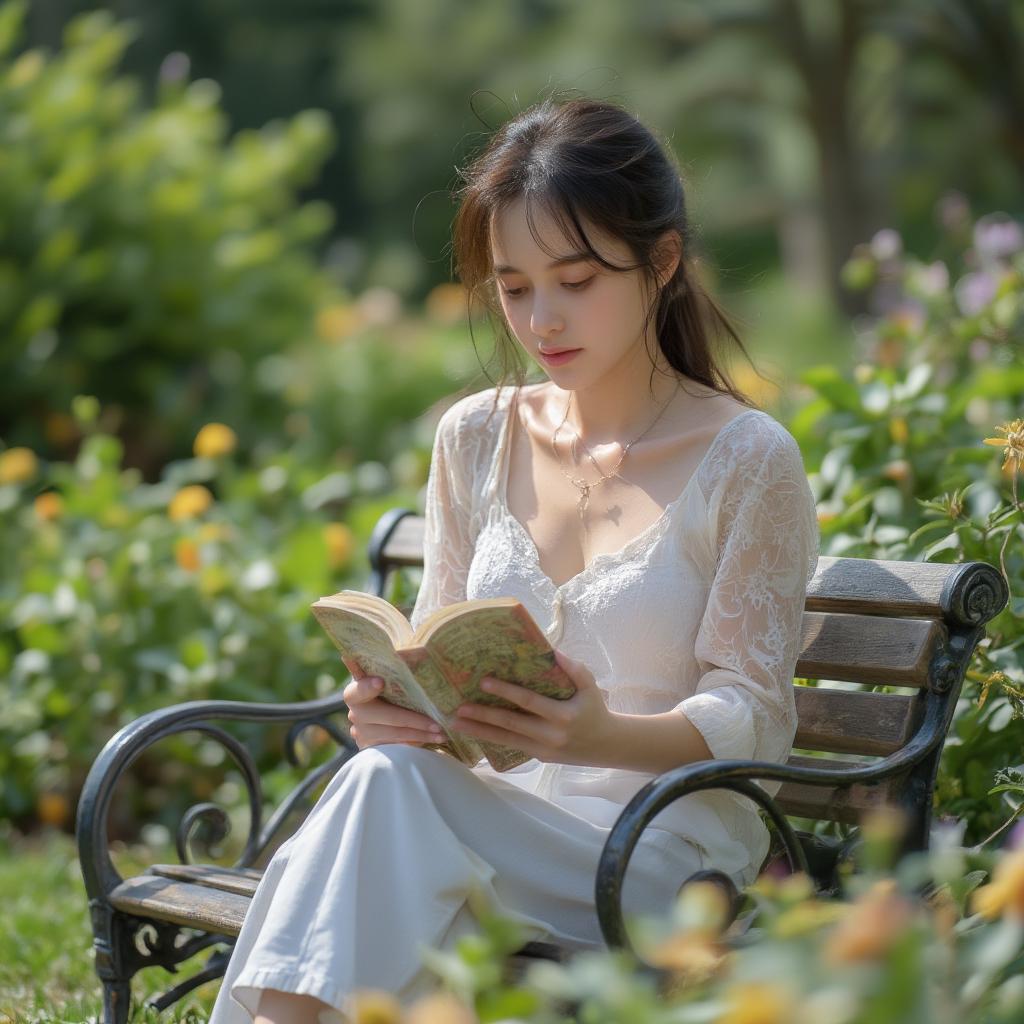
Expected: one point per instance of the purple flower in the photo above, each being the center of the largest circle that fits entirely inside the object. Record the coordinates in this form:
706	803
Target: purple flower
997	236
974	292
886	245
1015	840
175	67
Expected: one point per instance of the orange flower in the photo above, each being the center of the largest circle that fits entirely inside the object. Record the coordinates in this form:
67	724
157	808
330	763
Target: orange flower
213	440
898	469
18	465
1013	442
439	1008
446	304
340	543
190	502
371	1006
186	554
871	926
49	505
1005	893
53	809
758	1002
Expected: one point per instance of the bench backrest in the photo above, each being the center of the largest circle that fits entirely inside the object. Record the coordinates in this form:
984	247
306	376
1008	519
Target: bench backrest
910	626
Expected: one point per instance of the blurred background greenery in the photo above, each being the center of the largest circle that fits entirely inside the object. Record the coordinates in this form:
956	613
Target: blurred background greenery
228	326
228	329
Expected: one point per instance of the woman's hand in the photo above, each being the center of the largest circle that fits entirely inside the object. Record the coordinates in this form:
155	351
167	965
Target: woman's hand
569	731
373	721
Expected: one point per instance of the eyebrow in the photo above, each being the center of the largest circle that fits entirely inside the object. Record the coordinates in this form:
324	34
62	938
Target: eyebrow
576	257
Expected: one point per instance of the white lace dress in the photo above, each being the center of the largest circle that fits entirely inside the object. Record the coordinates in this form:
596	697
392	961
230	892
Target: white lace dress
700	612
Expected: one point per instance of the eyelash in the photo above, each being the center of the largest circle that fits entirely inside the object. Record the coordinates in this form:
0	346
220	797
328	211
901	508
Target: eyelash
573	286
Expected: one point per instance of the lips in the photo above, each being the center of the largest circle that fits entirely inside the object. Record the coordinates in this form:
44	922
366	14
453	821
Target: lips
557	351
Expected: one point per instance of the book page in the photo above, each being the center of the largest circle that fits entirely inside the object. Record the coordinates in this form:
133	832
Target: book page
363	641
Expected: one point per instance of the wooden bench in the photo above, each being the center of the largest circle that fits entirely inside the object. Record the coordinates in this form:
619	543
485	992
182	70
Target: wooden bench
906	625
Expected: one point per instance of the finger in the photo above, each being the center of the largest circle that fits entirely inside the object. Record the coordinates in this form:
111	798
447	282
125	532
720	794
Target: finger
575	669
373	737
353	666
514	723
535	703
359	691
527	742
380	713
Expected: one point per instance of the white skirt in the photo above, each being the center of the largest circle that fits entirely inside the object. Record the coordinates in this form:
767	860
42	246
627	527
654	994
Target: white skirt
386	860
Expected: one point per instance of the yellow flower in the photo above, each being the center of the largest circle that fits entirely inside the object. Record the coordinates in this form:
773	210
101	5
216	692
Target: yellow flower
1005	893
186	554
874	922
337	322
18	465
340	543
49	505
898	430
808	916
1013	442
439	1008
758	1002
213	440
371	1006
190	502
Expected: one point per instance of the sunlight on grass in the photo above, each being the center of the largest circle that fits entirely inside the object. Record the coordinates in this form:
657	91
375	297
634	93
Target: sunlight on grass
46	967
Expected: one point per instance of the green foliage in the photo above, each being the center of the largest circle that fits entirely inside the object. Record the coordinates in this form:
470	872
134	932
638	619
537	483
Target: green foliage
901	470
145	257
918	941
120	596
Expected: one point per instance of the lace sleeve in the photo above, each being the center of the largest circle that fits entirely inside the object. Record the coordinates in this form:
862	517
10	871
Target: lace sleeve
449	532
763	514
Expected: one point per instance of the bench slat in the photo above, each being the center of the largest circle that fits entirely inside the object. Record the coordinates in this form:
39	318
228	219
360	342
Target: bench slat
867	649
875	586
834	803
852	721
184	903
238	880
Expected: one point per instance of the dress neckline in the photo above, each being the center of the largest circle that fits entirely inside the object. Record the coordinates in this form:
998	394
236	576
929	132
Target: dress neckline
636	542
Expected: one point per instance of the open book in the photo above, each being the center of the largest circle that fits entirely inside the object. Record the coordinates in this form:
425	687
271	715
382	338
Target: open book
439	666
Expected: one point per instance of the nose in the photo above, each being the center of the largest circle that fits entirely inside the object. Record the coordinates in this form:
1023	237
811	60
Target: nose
545	320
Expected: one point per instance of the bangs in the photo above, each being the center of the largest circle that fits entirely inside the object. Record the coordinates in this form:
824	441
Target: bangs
568	220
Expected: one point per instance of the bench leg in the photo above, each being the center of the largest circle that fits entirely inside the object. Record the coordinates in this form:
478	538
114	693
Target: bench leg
117	996
115	960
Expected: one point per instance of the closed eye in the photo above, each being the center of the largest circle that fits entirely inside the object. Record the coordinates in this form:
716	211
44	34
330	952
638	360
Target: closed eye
572	286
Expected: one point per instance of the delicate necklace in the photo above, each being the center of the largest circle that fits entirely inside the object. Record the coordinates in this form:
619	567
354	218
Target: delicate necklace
580	484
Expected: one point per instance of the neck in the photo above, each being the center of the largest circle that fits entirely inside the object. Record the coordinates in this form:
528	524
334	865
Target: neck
622	404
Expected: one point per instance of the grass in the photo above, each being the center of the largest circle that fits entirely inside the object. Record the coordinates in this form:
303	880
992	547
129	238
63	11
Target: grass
46	964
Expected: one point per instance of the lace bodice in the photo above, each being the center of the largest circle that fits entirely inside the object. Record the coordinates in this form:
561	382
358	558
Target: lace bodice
700	612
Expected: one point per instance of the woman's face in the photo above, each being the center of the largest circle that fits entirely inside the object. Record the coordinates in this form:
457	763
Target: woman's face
568	300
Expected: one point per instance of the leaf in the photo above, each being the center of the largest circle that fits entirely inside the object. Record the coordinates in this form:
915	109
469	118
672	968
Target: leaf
948	545
828	382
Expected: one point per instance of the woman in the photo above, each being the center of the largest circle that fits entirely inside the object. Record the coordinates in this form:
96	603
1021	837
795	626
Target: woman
659	528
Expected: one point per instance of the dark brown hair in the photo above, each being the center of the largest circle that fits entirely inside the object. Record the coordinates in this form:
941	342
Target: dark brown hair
585	159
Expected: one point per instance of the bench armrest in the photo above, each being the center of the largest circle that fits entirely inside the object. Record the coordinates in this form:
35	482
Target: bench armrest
100	875
737	775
